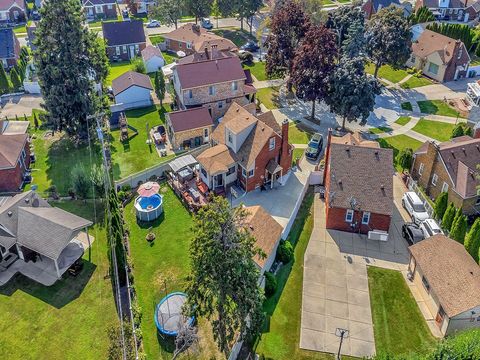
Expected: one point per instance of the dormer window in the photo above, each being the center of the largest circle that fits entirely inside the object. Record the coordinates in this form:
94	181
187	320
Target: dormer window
211	90
234	86
271	144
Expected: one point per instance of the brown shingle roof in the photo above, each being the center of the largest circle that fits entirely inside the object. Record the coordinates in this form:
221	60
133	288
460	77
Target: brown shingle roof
190	119
11	147
150	51
265	229
361	173
210	72
129	79
452	273
430	42
354	139
270	120
216	159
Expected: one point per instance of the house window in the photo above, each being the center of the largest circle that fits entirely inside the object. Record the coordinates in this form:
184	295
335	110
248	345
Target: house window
230	138
251	173
189	94
433	68
205	132
204	173
244	172
211	90
271	144
231	170
98	9
136	48
124	49
220	104
234	86
434	179
189	46
420	169
445	187
109	6
425	283
365	218
349	215
117	50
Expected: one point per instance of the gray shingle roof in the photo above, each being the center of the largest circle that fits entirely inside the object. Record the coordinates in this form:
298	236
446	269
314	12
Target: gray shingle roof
7	44
123	32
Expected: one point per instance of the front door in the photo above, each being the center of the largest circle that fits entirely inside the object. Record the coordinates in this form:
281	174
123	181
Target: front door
132	51
218	180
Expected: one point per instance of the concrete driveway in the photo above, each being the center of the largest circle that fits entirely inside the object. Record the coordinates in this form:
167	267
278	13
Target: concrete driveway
335	283
19	105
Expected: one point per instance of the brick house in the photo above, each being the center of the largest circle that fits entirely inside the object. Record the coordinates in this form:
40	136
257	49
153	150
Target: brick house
13	11
456	10
249	151
125	39
9	48
189	128
191	38
358	184
100	9
143	6
448	280
450	166
371	7
214	84
14	161
439	57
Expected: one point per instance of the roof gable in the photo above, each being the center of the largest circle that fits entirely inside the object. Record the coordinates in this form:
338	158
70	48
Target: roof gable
129	79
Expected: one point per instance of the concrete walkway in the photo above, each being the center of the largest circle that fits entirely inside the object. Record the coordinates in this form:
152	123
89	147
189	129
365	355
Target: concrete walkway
268	83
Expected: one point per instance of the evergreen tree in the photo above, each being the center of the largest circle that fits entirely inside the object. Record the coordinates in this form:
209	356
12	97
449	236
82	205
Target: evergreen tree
343	19
222	285
441	203
354	43
80	182
35	121
472	240
458	131
459	228
159	84
4	83
15	78
422	15
405	158
64	63
448	217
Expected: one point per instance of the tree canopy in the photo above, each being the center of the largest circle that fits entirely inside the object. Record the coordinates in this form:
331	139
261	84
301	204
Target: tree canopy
472	240
441	203
167	11
343	18
198	8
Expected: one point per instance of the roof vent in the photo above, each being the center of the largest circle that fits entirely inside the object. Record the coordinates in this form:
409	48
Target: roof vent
27	200
9	214
35	202
251	227
453	154
382	187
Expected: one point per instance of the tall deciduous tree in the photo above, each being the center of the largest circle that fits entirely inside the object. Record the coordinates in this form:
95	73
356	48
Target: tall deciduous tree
441	203
352	92
288	26
64	62
167	11
314	61
246	9
472	240
223	285
388	38
132	6
448	217
198	8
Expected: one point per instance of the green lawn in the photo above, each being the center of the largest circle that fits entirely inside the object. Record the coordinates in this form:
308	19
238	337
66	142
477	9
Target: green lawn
398	324
299	133
403	120
156	39
169	57
20	29
281	337
258	70
416	81
297	154
406	106
398	143
135	154
67	320
387	72
380	130
268	97
438	130
437	107
237	36
167	257
117	69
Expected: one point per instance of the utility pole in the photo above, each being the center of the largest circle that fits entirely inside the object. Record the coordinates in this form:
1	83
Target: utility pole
342	334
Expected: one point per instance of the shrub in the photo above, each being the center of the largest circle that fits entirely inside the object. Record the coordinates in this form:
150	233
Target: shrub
285	252
458	130
137	313
441	203
246	57
126	188
459	228
472	240
80	181
270	284
139	66
405	158
121	195
448	217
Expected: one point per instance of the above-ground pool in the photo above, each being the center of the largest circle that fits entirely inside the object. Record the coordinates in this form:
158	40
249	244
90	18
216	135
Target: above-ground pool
149	208
168	314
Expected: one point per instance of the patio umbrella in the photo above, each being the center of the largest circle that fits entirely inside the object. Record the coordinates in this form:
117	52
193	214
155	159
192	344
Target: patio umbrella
148	189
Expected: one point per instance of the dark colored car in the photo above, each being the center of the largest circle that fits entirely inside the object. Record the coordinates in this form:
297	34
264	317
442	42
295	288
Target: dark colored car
250	46
412	233
314	147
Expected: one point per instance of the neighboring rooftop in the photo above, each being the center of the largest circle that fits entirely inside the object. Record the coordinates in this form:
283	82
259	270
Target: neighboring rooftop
97	2
430	42
129	79
11	147
7	43
451	272
151	51
190	119
13	127
123	32
7	4
354	139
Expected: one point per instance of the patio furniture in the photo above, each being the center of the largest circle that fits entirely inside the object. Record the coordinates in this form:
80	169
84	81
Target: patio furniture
202	187
195	194
185	174
157	138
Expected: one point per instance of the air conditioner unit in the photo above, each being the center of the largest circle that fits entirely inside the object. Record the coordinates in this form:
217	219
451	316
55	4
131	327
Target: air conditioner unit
378	235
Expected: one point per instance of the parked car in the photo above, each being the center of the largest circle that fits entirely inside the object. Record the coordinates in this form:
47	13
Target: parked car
430	227
35	15
250	46
414	206
206	23
412	233
153	24
314	147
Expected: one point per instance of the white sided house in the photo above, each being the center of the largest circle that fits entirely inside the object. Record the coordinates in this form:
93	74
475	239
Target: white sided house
152	58
132	90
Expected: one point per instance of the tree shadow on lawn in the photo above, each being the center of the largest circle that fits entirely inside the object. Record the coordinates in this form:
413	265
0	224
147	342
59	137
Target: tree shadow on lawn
64	291
428	107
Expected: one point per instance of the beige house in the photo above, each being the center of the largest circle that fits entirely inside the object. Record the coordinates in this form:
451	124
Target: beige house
448	279
439	57
189	128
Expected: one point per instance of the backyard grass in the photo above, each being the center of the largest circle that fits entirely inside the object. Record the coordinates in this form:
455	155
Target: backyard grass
169	57
299	133
437	107
117	69
166	258
403	120
380	130
398	324
237	36
297	154
387	72
156	39
416	81
20	29
135	154
268	97
438	130
68	320
258	70
398	143
406	106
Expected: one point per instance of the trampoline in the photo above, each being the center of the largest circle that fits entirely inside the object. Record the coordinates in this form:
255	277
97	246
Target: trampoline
168	314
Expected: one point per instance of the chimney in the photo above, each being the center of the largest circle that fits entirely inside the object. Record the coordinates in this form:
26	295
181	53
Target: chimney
207	56
285	156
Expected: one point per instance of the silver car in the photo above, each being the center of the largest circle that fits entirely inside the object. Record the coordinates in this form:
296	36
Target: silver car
430	227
